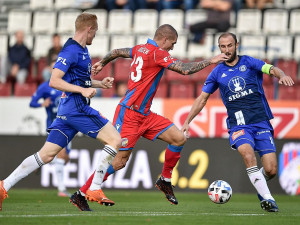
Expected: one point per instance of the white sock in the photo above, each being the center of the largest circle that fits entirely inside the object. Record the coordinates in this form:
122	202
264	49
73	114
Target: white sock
59	170
262	170
29	165
259	182
107	155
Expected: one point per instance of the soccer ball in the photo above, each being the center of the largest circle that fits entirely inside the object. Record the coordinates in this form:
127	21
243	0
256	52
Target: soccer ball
219	192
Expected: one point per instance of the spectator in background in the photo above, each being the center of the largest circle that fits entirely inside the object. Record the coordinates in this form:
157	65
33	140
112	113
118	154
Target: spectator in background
52	54
177	4
218	17
258	4
19	59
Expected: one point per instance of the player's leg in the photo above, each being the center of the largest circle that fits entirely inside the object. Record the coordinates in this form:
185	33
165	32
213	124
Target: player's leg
111	138
59	163
256	177
30	164
269	162
162	128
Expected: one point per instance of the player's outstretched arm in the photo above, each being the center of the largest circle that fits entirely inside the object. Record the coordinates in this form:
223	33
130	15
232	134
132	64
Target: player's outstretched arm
193	67
106	83
198	105
283	78
116	53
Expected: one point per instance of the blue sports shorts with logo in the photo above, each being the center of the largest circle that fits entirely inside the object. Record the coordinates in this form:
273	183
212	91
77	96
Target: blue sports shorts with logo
258	135
64	128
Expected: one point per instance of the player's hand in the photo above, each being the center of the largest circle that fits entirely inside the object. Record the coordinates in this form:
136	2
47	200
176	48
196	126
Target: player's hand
219	58
107	82
89	92
47	102
286	80
185	130
96	68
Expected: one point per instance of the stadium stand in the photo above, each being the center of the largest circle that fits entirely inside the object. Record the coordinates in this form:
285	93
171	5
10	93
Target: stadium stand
254	45
38	4
275	21
107	70
100	46
44	21
119	17
5	89
19	20
294	27
174	17
279	47
142	17
26	89
66	20
182	90
121	69
273	34
249	21
193	16
122	41
290	67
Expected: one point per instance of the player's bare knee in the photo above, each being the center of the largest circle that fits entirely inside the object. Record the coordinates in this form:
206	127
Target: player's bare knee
271	171
180	141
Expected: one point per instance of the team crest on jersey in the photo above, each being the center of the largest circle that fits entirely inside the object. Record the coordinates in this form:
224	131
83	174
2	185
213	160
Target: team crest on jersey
237	84
237	134
144	50
242	68
124	142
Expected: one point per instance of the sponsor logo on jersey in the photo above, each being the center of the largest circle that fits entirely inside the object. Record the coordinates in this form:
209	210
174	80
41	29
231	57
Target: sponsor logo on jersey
62	60
237	134
83	57
242	68
63	95
118	126
223	75
237	85
62	117
262	132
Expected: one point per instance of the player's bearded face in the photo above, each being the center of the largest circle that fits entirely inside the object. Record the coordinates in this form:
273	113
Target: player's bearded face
231	55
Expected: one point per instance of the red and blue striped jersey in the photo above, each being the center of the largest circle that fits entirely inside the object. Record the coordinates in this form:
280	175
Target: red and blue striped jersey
146	70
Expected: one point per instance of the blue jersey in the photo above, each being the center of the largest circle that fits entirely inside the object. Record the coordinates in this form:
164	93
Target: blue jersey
241	91
75	61
45	91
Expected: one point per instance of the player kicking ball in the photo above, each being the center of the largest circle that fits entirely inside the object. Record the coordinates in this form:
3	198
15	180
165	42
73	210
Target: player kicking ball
239	80
133	117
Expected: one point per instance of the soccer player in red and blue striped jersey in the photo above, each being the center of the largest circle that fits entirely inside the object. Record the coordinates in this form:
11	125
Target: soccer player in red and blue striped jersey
133	117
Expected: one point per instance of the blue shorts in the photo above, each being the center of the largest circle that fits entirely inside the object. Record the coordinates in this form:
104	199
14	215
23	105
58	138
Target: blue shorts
64	128
259	136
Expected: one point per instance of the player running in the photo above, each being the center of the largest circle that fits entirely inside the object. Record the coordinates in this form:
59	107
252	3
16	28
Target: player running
239	80
133	117
51	101
72	75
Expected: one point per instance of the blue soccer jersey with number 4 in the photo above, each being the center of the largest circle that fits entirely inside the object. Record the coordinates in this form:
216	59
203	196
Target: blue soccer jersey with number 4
241	91
75	61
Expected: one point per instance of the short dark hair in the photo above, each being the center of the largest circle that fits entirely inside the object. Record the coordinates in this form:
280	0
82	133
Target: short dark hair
165	30
228	34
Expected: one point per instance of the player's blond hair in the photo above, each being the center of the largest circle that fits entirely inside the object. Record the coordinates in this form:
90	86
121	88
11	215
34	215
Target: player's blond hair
167	31
85	20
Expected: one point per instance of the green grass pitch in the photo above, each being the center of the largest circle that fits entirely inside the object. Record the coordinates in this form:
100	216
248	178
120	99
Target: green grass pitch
43	207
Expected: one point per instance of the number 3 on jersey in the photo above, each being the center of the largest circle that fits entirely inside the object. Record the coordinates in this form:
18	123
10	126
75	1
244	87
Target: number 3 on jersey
138	64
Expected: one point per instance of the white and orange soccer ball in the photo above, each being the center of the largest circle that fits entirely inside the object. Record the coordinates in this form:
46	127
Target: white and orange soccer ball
219	192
